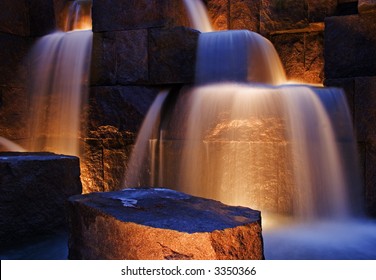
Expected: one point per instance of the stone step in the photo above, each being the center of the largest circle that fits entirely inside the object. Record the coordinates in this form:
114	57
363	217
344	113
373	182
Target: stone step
154	223
34	188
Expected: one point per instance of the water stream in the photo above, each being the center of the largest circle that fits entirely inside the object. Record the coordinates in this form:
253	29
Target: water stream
58	84
244	136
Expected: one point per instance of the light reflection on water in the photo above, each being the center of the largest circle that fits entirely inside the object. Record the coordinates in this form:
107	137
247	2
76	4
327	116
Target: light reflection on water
322	240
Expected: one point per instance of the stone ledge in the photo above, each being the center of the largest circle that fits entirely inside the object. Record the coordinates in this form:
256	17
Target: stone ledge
117	15
151	223
367	7
349	47
34	188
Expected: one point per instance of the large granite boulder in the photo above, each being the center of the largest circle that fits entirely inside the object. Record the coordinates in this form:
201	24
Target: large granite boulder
34	188
151	223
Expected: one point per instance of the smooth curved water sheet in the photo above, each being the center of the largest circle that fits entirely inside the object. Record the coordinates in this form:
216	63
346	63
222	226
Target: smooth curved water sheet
140	165
58	90
238	56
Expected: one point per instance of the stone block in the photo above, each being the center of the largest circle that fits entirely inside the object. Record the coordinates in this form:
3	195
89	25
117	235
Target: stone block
132	57
218	11
14	109
367	7
103	62
282	15
365	108
157	56
291	49
114	165
34	188
162	224
92	165
245	14
42	17
318	10
120	58
109	15
121	107
14	17
370	179
104	159
350	42
13	66
60	9
314	58
172	55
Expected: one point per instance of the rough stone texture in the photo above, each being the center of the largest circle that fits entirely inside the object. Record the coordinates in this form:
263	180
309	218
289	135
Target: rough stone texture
282	15
347	7
103	63
370	178
291	51
14	17
60	10
34	188
245	14
92	165
290	48
218	11
115	116
272	15
154	56
172	55
367	7
13	95
13	66
350	42
26	18
161	224
110	15
120	57
314	57
13	113
42	17
318	10
120	107
240	14
365	108
351	54
104	160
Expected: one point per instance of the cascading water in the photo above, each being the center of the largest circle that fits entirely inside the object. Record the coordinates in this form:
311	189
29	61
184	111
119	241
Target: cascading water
59	82
198	15
256	59
256	141
9	146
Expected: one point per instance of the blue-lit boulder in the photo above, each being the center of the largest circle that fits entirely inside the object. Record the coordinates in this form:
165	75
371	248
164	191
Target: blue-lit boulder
154	223
34	188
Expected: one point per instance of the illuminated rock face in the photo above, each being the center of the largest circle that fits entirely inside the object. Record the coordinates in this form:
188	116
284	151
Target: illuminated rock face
149	223
34	188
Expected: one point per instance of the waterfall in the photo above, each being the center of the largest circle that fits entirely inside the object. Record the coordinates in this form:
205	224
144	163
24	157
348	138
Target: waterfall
60	63
237	55
244	136
198	15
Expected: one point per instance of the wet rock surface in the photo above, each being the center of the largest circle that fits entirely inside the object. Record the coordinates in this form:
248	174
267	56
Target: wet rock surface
34	188
147	223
